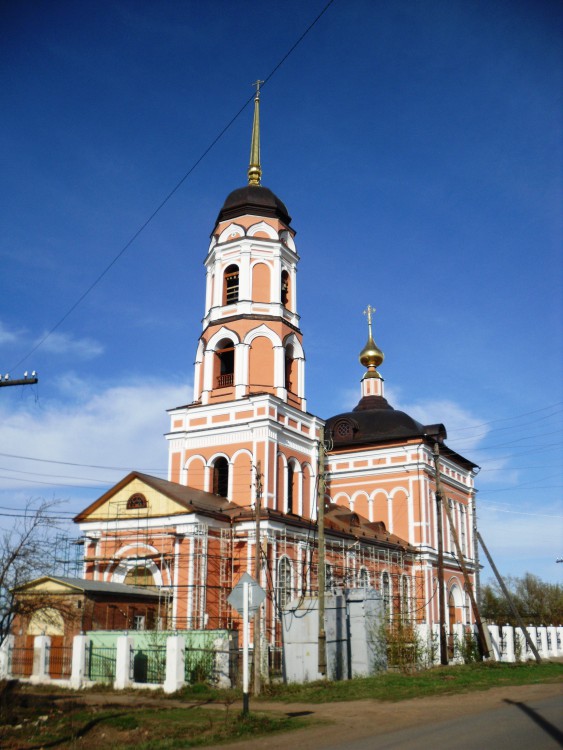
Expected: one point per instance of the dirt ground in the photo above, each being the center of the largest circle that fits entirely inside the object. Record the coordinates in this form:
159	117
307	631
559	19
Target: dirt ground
338	722
350	720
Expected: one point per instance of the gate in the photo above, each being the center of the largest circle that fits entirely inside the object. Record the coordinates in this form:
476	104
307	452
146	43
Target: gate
60	658
100	663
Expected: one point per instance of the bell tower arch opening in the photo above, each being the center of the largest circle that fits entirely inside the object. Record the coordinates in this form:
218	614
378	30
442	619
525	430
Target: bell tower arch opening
285	289
224	369
221	477
231	285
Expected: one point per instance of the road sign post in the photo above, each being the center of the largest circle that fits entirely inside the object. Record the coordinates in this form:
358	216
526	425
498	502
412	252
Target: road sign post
246	598
245	696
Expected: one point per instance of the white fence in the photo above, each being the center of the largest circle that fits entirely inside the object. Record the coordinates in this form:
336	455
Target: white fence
123	665
170	668
508	643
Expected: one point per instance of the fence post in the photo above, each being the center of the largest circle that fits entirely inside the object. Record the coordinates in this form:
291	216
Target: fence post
5	649
221	671
79	645
520	652
175	664
435	637
552	640
41	647
542	638
123	679
458	632
494	633
533	633
508	634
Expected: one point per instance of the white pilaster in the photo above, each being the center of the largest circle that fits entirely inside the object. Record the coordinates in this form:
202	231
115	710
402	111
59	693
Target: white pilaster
123	677
79	645
41	648
175	664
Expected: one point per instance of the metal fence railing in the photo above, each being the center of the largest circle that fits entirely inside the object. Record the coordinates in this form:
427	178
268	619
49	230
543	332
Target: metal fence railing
149	665
59	661
20	662
100	663
199	664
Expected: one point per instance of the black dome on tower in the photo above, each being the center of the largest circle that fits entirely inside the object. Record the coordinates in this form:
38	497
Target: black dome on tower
253	199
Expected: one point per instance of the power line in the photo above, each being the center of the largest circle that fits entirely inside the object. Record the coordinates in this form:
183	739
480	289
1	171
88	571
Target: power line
506	419
163	202
520	439
521	512
83	466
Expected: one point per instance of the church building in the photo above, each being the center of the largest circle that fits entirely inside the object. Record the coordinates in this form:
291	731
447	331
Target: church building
246	446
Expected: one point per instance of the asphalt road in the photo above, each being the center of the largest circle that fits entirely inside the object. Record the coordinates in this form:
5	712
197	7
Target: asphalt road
524	717
517	725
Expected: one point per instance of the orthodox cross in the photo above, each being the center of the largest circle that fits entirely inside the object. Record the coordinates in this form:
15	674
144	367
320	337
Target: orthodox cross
368	311
257	83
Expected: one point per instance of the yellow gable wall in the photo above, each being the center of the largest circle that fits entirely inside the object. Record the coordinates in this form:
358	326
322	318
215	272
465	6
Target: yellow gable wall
157	504
50	587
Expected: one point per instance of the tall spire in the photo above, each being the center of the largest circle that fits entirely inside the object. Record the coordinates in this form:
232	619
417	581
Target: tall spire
371	356
255	170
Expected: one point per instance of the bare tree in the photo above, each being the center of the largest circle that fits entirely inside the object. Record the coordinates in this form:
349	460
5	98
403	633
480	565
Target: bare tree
26	551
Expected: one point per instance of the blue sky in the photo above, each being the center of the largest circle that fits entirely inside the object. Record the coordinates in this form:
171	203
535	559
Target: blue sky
418	149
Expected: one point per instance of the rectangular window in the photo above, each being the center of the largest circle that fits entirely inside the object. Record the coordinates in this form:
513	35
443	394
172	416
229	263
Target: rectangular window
139	622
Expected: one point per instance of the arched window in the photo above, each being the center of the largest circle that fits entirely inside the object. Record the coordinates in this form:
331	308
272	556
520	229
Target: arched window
224	363
290	475
221	477
284	288
139	576
462	529
405	599
284	582
231	285
451	525
363	578
386	593
136	502
290	383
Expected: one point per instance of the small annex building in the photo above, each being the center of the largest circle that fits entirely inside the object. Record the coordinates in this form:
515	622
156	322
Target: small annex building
62	607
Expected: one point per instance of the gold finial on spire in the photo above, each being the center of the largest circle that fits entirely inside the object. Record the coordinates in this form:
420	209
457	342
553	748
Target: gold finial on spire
255	170
371	356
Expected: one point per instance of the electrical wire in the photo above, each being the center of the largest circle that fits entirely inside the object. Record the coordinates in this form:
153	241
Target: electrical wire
506	419
165	200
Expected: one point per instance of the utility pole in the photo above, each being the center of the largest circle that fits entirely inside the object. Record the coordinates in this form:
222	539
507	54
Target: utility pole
511	604
257	569
321	552
485	648
26	380
476	550
440	541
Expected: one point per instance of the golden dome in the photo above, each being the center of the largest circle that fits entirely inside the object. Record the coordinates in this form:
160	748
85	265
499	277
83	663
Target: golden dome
371	355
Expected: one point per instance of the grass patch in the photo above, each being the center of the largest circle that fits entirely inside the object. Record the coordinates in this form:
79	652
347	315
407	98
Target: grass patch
127	727
390	686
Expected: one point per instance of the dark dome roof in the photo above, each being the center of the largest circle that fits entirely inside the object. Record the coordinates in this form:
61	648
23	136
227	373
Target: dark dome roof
373	421
253	199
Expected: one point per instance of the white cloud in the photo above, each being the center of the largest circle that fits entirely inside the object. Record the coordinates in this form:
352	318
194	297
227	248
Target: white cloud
117	426
6	335
465	430
64	343
521	541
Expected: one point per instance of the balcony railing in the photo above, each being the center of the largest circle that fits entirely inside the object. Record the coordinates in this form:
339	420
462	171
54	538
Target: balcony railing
223	381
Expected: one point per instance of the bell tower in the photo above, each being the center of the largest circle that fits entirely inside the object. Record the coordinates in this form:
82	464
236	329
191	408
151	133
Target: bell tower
250	363
251	342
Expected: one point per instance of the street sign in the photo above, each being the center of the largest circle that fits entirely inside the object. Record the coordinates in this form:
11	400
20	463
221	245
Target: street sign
256	595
